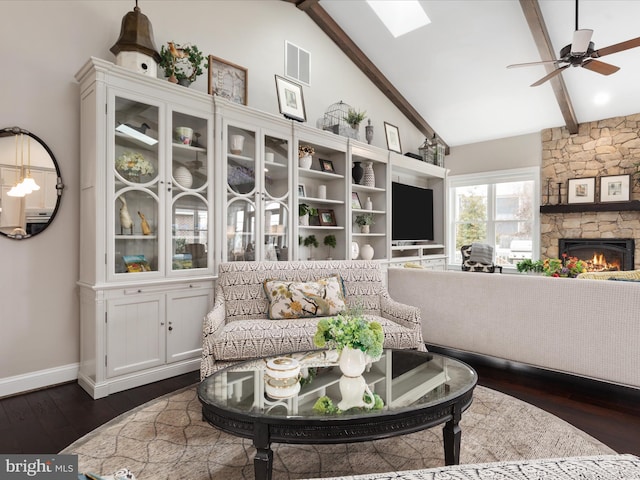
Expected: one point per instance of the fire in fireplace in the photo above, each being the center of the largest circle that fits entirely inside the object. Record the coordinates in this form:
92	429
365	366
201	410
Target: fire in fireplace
601	254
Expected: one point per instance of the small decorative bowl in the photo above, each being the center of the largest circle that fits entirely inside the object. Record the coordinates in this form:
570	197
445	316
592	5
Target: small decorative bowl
283	368
279	389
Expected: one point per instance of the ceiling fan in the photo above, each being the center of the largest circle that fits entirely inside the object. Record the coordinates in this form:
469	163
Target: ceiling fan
581	53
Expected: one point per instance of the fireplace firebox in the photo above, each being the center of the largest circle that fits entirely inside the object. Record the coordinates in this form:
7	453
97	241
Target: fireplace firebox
601	253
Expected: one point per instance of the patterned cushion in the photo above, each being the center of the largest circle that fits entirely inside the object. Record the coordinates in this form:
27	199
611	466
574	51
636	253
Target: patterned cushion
321	298
626	274
246	339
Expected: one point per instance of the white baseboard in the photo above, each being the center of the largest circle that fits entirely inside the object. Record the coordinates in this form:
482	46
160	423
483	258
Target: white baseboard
39	379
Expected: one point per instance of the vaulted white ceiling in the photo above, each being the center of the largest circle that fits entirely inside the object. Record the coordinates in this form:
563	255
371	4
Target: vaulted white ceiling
453	71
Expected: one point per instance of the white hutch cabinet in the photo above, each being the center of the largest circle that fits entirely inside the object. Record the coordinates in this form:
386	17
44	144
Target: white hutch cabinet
146	246
164	200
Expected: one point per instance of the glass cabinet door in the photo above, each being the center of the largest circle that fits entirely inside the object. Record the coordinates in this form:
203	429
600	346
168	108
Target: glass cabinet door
276	198
188	189
242	193
135	178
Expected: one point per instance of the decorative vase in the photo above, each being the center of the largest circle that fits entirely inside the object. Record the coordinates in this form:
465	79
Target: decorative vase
357	172
304	220
352	391
368	205
366	252
183	177
352	361
368	132
237	144
185	82
364	228
305	162
369	179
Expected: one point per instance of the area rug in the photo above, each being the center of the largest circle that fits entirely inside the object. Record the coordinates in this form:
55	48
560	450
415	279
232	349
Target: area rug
166	439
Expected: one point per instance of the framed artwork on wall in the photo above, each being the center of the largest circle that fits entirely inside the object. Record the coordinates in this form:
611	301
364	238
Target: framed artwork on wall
392	134
581	190
615	188
227	80
290	99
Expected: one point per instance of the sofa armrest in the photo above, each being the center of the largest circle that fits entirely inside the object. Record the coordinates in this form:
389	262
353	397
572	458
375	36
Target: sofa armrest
406	315
213	321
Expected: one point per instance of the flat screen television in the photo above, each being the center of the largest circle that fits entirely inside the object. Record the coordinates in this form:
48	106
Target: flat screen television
411	213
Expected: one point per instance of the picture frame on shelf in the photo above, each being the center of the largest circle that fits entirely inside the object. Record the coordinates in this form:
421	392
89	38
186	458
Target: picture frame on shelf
581	190
326	165
228	80
615	188
392	134
290	99
327	217
355	200
302	190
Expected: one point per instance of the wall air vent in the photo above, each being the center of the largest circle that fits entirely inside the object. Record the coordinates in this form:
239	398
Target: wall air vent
297	63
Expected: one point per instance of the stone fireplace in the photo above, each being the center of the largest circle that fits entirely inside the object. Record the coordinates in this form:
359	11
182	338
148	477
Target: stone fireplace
600	254
601	148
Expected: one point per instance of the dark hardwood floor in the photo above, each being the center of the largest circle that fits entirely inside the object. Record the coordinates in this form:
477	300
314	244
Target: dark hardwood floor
46	421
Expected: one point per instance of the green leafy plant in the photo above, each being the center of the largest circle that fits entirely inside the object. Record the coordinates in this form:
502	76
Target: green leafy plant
185	63
304	209
326	406
354	117
365	219
330	241
564	267
311	241
528	265
350	329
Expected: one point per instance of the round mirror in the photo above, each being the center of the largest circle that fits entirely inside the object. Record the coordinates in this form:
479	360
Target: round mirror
30	184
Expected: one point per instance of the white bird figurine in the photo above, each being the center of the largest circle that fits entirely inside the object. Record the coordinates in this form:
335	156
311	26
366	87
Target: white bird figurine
126	222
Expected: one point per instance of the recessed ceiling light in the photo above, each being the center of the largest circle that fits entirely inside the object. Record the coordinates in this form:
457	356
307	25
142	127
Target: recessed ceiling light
601	98
400	16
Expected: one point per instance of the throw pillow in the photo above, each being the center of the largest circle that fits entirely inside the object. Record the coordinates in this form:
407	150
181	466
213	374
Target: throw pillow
323	298
481	253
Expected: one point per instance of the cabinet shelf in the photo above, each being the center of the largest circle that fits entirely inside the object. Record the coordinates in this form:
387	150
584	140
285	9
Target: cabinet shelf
319	227
362	210
327	201
357	234
362	188
136	237
188	148
308	173
126	139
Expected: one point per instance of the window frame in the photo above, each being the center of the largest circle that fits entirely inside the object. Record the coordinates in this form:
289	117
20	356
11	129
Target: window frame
491	179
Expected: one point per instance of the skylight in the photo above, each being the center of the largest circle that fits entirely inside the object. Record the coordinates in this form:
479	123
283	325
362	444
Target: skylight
400	16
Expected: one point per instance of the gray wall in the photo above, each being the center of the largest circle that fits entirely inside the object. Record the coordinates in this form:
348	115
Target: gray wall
46	43
502	154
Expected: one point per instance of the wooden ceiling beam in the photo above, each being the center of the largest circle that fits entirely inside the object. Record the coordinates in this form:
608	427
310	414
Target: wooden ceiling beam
533	15
357	56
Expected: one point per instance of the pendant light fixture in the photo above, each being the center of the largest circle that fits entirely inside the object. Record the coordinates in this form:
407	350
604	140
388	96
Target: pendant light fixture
17	190
28	183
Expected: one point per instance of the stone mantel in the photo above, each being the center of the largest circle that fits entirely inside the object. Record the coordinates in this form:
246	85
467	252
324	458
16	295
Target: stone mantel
592	207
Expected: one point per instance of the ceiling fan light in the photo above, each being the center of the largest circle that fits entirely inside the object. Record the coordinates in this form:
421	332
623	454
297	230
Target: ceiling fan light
581	39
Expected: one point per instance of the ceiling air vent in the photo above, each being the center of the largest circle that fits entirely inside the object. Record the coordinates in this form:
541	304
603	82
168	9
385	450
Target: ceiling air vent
297	63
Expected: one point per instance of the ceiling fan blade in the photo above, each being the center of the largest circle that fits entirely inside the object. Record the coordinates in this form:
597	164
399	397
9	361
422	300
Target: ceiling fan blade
517	65
549	76
618	47
600	67
581	39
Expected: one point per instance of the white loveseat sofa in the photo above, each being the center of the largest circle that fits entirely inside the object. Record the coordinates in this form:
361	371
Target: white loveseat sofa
589	328
238	326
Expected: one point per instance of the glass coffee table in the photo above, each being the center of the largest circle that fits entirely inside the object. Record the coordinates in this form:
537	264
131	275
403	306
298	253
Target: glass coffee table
418	390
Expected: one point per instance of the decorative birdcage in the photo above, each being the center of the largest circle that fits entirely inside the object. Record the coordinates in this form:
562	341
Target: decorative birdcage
335	120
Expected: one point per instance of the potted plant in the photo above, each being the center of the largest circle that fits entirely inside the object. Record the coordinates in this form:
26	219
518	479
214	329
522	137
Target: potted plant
304	212
305	158
364	220
529	266
311	241
354	118
330	241
182	64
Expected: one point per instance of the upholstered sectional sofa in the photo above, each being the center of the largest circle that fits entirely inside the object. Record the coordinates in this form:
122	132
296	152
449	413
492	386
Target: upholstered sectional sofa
583	327
239	326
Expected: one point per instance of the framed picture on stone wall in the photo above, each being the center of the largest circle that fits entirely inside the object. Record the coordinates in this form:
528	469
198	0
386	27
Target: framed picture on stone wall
615	188
581	190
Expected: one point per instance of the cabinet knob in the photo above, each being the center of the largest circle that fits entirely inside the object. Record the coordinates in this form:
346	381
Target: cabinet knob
161	323
170	328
